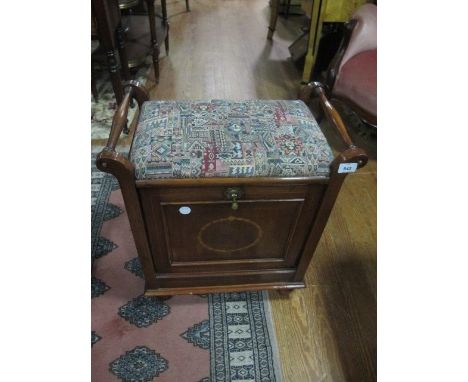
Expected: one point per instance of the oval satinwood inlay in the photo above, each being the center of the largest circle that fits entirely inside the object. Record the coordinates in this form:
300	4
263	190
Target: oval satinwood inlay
230	234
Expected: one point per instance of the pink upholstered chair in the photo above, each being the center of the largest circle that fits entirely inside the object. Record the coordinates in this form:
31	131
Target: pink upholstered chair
352	74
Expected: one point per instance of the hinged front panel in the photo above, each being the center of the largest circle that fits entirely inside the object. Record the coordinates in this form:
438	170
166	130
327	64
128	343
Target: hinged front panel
213	231
226	229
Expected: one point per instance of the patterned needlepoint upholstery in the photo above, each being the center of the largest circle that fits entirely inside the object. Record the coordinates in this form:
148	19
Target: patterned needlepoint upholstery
192	139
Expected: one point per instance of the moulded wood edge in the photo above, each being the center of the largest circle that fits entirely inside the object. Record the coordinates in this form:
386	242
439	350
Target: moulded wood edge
223	288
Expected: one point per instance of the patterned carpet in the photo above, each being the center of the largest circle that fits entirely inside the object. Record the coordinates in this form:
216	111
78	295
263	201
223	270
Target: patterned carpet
202	338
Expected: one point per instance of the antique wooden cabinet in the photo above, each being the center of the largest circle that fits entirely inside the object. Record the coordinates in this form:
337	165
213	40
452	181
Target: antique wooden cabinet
202	235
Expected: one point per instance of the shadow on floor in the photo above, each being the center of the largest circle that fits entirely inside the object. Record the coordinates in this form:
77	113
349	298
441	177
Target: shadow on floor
351	309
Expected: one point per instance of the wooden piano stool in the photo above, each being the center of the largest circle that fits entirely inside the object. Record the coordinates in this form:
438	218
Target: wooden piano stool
227	195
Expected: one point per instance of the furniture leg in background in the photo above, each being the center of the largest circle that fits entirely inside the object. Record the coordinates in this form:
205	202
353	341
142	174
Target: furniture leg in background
147	28
120	34
154	39
166	23
316	22
320	12
288	6
94	91
114	71
273	18
187	5
109	28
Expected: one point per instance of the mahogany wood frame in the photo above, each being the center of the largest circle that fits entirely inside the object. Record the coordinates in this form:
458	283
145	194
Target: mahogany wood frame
121	167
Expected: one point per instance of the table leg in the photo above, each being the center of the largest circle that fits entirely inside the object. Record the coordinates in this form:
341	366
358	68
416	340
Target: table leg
113	67
120	34
273	18
315	31
288	6
166	23
154	39
94	91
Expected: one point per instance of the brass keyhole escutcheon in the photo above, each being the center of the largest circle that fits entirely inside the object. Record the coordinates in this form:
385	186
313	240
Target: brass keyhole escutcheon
233	194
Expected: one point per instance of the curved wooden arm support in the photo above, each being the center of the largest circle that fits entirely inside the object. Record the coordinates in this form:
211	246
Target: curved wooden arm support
352	154
119	166
139	92
114	163
108	159
134	91
320	91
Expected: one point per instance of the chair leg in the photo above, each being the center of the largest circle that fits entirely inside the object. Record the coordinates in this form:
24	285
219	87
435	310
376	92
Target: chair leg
273	18
154	39
156	63
113	67
120	37
187	5
166	23
288	6
126	129
166	41
94	91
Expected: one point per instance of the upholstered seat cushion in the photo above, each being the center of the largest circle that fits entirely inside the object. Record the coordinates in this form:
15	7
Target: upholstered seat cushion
192	139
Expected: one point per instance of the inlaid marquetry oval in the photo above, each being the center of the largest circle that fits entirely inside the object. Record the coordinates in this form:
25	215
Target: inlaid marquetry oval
230	234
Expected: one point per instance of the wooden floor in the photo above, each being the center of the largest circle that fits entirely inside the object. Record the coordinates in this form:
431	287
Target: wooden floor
219	50
326	332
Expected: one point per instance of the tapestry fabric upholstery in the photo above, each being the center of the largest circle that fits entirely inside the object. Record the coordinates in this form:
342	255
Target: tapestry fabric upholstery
217	138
